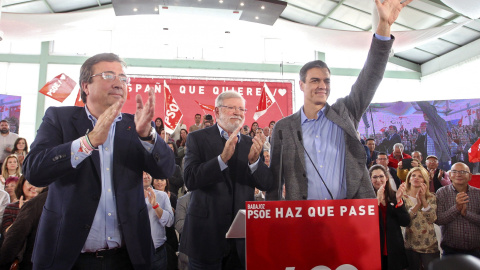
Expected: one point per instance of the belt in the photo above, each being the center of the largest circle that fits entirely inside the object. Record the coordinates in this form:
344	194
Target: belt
101	253
159	248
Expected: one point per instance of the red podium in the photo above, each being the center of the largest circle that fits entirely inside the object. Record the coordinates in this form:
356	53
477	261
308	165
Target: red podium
304	235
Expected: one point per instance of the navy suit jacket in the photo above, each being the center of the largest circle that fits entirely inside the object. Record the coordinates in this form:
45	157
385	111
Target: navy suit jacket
216	197
74	193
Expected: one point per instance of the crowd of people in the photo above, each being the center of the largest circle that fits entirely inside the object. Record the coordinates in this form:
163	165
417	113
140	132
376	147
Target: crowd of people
122	193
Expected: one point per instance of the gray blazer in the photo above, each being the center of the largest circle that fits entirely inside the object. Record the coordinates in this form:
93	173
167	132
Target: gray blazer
346	113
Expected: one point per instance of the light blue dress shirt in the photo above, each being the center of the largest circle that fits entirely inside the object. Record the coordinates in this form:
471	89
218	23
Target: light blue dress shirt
158	225
325	143
253	167
105	230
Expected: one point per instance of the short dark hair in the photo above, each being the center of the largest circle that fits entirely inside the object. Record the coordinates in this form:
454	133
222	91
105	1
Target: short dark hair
370	139
382	153
198	115
310	65
86	71
4	121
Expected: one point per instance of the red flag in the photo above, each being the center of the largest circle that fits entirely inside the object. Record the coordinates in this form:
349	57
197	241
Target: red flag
59	88
206	107
474	152
78	101
173	114
266	101
460	122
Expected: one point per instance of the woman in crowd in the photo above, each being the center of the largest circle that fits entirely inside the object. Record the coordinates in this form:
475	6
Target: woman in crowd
158	124
420	238
10	185
172	241
24	192
183	138
253	129
271	125
20	148
10	167
392	215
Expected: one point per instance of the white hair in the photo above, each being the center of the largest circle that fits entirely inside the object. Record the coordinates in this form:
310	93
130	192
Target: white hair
227	95
399	145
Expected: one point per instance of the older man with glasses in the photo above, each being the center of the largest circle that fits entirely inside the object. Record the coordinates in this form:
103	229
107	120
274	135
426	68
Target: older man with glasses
458	211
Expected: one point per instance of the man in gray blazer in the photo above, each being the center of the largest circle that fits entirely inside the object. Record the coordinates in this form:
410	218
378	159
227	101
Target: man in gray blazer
328	133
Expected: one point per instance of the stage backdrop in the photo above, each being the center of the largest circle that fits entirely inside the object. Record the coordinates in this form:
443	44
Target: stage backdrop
187	92
462	118
10	111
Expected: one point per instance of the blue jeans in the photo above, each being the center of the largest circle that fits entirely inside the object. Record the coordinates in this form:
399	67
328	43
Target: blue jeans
160	258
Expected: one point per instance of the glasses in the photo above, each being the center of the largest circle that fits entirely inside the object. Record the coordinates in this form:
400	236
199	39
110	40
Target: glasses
378	177
110	76
459	172
234	108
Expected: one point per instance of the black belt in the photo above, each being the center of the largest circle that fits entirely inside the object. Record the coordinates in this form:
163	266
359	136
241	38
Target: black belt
159	248
105	252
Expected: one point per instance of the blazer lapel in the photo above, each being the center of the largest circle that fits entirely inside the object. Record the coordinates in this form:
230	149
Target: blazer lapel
342	122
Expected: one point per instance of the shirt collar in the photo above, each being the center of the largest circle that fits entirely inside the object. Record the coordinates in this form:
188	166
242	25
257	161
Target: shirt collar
94	119
304	118
224	134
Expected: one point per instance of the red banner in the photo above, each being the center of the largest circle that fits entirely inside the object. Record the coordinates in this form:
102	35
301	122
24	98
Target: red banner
304	235
188	92
59	88
474	152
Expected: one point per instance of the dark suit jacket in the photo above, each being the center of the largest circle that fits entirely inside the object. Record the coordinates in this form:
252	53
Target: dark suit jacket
22	233
421	145
396	217
437	130
346	113
216	197
74	193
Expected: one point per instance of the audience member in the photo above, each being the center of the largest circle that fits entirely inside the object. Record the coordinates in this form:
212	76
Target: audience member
208	120
438	177
7	140
392	139
4	201
161	215
462	152
402	173
159	125
397	155
222	168
172	240
10	185
24	192
20	149
10	167
458	212
394	181
392	215
197	125
20	239
271	125
183	138
266	156
421	141
253	129
370	142
418	156
180	215
420	238
245	130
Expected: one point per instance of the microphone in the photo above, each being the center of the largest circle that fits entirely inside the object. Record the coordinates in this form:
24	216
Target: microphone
311	161
280	169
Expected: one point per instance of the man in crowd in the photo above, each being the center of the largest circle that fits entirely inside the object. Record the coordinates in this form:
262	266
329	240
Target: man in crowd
462	151
373	154
421	142
397	155
329	132
161	215
438	177
458	211
395	182
435	135
418	156
222	168
92	159
6	140
207	120
197	125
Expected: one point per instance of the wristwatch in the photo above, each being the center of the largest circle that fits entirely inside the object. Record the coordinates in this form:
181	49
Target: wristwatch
150	136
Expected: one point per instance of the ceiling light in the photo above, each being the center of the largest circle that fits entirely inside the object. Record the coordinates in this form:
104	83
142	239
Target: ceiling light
256	17
242	4
221	1
156	9
263	7
199	0
135	9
